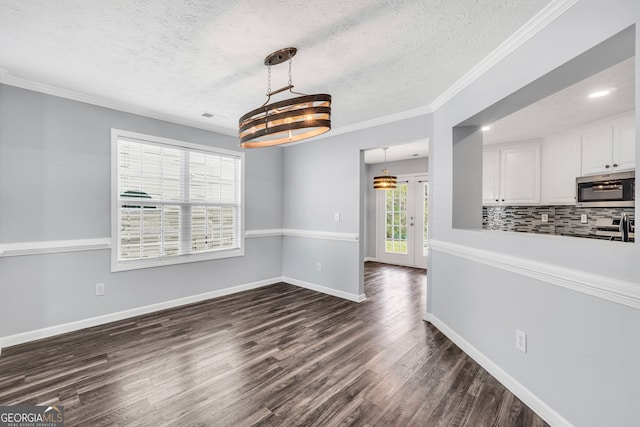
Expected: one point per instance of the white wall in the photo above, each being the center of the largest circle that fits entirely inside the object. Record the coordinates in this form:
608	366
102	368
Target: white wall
581	367
55	185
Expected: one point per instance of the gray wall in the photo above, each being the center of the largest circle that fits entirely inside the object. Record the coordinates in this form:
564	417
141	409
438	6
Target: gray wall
583	353
324	176
467	177
583	350
55	185
400	167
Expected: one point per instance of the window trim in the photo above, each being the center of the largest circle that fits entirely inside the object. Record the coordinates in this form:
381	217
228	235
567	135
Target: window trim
117	265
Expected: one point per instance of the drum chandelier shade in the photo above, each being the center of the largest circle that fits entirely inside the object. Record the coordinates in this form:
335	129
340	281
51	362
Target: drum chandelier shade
290	120
385	181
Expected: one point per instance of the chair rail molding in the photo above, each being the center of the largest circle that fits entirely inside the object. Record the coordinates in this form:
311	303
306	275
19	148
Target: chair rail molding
53	246
616	290
101	243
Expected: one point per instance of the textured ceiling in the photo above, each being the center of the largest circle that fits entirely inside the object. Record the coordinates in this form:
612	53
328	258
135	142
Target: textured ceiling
182	58
411	150
570	107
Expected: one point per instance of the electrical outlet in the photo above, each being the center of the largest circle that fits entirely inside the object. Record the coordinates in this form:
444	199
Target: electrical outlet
336	216
496	217
318	266
583	218
545	217
521	341
100	289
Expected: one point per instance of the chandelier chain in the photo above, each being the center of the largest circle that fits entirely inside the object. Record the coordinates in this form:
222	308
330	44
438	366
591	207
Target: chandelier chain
290	80
269	80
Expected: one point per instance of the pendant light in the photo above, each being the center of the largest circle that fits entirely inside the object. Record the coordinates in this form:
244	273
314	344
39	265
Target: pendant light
385	181
283	122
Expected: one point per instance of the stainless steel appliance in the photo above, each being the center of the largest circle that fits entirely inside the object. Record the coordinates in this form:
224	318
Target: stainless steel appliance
608	190
621	228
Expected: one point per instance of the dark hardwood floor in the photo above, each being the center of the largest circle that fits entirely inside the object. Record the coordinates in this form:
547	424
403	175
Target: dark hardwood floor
275	356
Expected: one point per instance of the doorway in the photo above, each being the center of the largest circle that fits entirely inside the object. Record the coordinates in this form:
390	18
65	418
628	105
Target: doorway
401	218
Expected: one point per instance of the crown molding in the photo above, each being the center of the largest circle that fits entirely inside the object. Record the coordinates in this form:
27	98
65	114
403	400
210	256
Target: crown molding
396	117
532	27
8	79
543	18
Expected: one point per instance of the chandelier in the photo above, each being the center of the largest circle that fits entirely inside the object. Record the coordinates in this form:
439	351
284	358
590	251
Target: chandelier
290	120
385	181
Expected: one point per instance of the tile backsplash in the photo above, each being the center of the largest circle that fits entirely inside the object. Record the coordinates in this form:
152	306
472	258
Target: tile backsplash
563	220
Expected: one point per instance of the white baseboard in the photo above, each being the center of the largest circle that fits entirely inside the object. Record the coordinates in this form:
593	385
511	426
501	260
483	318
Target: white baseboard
50	331
325	290
531	400
390	263
121	315
370	258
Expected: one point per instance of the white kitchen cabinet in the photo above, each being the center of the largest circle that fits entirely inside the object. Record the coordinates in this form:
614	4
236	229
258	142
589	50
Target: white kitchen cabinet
624	144
511	175
609	147
520	175
491	177
560	167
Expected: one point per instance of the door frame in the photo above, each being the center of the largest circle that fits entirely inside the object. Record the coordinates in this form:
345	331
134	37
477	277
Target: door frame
418	261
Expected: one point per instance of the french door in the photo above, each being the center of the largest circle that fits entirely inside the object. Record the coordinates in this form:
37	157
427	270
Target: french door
402	222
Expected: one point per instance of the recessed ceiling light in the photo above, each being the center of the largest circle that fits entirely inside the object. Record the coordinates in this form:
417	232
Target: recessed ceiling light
600	93
485	128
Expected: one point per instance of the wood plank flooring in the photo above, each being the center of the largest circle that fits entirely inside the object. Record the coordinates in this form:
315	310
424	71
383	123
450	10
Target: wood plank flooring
275	356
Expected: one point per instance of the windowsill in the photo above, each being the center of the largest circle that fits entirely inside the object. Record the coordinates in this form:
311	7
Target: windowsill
137	264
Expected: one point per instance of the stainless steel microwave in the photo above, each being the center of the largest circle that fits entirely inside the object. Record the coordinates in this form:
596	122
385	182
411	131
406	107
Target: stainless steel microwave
608	190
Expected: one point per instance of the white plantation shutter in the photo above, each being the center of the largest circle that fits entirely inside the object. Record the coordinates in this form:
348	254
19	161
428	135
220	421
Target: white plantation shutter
175	200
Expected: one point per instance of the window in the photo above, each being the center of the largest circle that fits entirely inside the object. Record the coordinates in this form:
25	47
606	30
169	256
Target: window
173	202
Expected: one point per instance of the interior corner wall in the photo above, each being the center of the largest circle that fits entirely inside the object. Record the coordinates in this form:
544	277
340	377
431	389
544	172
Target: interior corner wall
467	177
323	177
399	167
55	183
581	366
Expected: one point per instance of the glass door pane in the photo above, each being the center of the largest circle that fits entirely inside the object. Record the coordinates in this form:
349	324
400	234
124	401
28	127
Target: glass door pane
396	220
425	192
